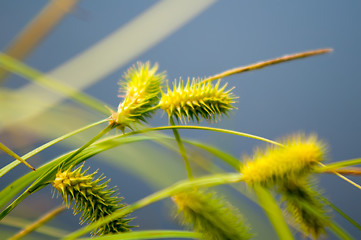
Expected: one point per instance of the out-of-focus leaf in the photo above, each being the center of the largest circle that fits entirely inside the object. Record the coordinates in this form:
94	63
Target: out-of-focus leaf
21	69
37	29
12	221
162	19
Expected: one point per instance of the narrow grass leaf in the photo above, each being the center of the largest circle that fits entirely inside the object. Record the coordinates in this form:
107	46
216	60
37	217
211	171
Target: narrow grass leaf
273	212
343	214
337	165
151	234
10	166
14	155
206	129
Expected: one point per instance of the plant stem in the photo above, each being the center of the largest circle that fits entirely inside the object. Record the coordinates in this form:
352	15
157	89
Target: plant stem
42	179
204	128
343	177
38	223
273	212
266	63
182	149
91	141
18	222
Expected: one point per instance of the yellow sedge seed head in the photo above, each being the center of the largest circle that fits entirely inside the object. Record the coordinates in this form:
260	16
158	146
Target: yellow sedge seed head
196	100
91	197
211	216
298	155
140	90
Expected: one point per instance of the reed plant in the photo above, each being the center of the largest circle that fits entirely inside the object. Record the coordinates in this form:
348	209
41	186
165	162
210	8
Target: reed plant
280	174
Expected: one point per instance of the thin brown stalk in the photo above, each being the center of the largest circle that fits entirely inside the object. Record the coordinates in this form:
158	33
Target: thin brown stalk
46	218
347	171
266	63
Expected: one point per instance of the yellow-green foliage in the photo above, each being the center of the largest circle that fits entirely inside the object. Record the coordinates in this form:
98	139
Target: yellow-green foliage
92	198
298	155
196	100
214	218
304	204
141	91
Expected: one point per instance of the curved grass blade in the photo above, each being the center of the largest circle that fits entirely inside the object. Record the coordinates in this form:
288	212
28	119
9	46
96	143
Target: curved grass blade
150	234
208	181
128	44
14	155
344	215
204	128
273	212
266	63
10	166
337	165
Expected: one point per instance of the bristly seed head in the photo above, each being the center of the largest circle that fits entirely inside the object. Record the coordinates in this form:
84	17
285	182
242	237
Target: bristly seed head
211	216
197	100
92	198
278	163
141	91
305	205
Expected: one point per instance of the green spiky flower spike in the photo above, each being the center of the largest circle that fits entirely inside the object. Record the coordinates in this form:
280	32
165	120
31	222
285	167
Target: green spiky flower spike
214	218
197	100
141	91
92	198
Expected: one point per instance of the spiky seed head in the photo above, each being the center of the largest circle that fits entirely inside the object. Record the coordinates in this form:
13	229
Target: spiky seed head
140	89
196	100
92	198
211	216
305	206
298	155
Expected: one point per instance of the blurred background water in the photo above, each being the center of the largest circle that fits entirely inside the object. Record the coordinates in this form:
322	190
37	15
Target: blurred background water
315	95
